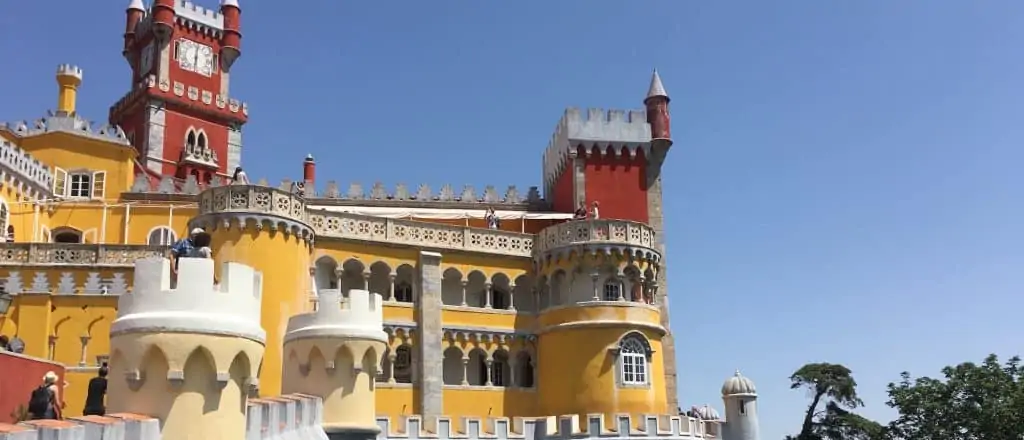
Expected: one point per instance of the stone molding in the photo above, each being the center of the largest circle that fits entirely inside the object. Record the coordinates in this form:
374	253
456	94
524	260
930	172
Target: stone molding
266	207
357	315
74	254
609	236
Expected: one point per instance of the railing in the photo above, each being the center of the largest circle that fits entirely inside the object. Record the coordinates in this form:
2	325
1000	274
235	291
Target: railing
414	233
19	163
68	254
580	232
253	199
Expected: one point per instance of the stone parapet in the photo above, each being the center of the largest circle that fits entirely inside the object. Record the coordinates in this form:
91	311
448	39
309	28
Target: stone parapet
266	207
33	178
83	255
622	236
426	235
555	427
360	315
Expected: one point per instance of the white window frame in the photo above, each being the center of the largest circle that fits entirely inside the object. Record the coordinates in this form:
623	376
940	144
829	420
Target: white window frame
166	237
65	185
633	352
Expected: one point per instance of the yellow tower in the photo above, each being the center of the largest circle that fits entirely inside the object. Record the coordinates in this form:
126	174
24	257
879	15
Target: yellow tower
334	353
602	321
187	356
68	78
264	228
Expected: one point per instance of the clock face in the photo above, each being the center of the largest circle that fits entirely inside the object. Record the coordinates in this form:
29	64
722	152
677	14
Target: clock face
195	57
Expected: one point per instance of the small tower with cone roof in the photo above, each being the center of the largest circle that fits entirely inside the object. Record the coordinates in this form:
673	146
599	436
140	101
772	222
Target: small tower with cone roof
740	397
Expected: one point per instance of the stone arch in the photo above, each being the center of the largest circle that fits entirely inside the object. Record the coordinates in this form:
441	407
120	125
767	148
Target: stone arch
559	289
633	354
161	236
325	272
476	289
240	371
89	236
452	366
66	234
500	372
380	279
352	275
405	287
344	357
452	287
543	293
522	294
196	375
500	291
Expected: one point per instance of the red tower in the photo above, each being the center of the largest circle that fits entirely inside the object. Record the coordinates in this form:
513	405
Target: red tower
179	115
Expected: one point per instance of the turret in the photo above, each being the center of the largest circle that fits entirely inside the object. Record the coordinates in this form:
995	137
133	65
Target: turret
740	398
188	355
133	15
231	42
334	353
309	173
657	111
163	18
69	77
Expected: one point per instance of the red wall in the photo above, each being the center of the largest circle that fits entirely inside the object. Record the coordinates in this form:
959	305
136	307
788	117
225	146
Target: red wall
175	128
21	375
562	199
211	83
618	184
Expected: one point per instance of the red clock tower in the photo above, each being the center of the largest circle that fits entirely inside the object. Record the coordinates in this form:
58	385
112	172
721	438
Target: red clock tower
179	114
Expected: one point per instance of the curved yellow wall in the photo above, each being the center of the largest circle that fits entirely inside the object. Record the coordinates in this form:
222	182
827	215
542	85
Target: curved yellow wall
284	261
593	389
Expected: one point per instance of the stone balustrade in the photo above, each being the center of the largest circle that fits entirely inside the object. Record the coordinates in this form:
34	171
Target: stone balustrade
74	254
328	224
612	233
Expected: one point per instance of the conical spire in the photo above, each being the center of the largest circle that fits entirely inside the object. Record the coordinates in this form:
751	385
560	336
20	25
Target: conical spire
657	89
136	5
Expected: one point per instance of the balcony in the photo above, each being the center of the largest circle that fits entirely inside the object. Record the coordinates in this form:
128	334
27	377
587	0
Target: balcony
76	255
623	236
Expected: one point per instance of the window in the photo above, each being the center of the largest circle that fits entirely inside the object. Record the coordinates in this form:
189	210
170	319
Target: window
743	407
67	235
403	364
499	299
162	236
634	353
403	292
5	221
79	184
612	291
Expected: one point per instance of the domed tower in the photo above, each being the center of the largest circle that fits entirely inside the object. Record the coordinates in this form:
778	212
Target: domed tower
334	353
600	343
740	397
264	228
189	355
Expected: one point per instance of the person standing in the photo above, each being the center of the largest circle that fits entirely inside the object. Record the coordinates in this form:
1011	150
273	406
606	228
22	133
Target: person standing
95	404
240	178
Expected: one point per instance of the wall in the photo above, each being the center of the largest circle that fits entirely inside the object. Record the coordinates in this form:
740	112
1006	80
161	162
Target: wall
72	152
21	375
619	184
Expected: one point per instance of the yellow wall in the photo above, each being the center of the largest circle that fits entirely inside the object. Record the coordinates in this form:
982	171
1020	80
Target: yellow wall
72	152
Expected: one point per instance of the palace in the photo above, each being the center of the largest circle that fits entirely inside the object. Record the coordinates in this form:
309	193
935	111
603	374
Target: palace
368	312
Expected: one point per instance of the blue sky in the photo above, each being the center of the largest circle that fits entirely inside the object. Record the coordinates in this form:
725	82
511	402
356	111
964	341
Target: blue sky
845	184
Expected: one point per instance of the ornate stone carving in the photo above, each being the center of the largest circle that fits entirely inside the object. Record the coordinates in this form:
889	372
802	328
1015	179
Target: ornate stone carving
401	192
624	236
355	192
378	192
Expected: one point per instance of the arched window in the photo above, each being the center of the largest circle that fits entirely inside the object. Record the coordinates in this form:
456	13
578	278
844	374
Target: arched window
201	143
162	236
190	140
66	235
403	292
403	364
634	353
612	290
5	221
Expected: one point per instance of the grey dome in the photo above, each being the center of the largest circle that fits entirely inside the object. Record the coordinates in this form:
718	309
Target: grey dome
738	384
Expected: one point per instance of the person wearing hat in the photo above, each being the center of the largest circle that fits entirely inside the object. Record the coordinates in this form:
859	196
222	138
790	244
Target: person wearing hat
45	403
196	245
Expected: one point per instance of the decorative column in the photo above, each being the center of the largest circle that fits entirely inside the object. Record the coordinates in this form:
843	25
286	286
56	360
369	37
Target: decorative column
597	288
51	346
391	286
621	279
339	274
391	365
465	371
490	365
487	294
465	285
85	344
429	334
366	280
511	296
513	362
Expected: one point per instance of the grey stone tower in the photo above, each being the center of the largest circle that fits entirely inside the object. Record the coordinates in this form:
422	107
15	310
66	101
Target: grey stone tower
740	398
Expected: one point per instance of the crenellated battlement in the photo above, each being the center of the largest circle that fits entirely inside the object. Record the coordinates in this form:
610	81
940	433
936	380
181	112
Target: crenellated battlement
597	130
69	70
30	176
199	18
359	315
555	427
195	305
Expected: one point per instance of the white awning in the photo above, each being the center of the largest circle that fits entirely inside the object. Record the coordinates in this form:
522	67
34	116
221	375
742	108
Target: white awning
442	214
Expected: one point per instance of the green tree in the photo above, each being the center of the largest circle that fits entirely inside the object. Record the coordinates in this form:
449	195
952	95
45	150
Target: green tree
974	402
832	385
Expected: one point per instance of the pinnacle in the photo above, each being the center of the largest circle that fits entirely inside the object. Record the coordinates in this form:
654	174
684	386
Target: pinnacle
136	5
657	89
229	3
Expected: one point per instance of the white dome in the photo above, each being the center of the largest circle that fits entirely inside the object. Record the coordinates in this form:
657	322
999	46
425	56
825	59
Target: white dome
737	384
706	412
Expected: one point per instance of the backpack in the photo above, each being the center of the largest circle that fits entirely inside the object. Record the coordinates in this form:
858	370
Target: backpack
39	403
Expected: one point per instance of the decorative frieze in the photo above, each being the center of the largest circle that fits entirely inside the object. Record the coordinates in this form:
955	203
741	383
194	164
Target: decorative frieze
67	254
622	235
423	193
328	224
93	284
265	206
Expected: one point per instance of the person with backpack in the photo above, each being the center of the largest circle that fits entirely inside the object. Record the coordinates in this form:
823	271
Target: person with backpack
44	404
94	403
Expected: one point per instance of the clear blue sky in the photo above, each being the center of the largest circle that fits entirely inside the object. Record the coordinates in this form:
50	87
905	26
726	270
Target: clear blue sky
846	183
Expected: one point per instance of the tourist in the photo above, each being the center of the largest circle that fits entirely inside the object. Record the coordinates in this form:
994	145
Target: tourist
593	212
191	247
581	212
16	345
492	219
5	343
240	178
94	400
45	401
